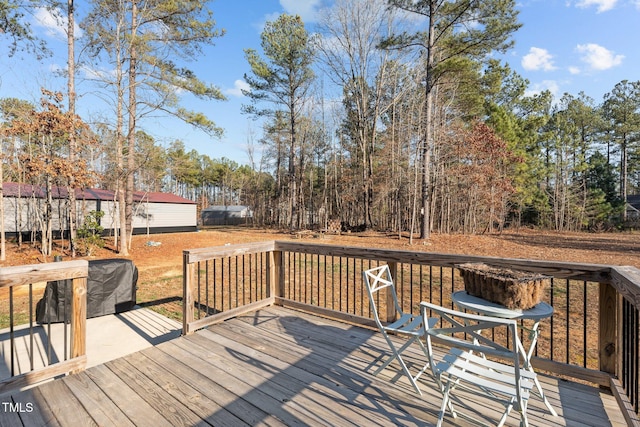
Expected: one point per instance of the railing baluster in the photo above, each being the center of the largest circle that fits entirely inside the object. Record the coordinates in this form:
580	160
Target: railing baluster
421	283
66	319
199	291
49	345
333	283
347	277
297	291
430	283
31	327
633	355
626	340
340	283
551	321
235	268
361	287
568	323
254	285
215	287
12	341
324	273
206	287
260	265
441	289
584	323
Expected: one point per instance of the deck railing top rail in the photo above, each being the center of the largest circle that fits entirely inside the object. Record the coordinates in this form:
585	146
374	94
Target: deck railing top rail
201	254
32	273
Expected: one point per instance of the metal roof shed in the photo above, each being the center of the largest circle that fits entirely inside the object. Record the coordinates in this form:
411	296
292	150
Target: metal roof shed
226	215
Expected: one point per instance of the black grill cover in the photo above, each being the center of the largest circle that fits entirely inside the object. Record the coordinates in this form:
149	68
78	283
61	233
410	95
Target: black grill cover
111	288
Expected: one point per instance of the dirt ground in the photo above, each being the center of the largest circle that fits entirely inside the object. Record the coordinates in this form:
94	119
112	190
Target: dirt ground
159	257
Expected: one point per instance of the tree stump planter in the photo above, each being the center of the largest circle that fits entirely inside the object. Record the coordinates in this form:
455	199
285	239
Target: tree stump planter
513	289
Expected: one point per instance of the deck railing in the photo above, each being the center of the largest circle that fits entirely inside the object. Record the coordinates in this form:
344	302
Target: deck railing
592	336
17	286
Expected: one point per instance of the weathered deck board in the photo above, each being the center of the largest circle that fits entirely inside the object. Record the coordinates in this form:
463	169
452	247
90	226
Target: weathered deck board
152	365
275	367
118	391
97	403
225	401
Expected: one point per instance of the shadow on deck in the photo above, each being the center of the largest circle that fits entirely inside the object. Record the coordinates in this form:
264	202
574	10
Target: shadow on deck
108	337
272	367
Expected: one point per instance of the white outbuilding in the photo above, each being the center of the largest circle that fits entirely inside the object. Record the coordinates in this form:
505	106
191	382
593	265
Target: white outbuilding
153	212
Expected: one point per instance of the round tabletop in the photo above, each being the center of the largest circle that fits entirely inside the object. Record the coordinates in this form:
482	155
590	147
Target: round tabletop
463	300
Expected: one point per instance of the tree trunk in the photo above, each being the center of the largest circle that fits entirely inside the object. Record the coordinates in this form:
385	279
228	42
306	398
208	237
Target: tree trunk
47	234
425	229
623	176
293	196
131	134
73	212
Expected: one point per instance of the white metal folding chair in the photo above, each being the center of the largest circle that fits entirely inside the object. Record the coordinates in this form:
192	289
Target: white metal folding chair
466	367
406	325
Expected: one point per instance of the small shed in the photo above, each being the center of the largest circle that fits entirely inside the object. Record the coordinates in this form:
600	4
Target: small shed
633	207
226	215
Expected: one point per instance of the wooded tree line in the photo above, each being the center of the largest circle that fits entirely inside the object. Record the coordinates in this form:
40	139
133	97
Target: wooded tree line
429	131
368	120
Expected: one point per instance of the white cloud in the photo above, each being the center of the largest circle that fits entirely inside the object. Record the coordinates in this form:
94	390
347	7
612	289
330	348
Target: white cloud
97	74
603	5
550	85
597	57
238	87
538	59
55	68
307	9
55	23
574	70
269	18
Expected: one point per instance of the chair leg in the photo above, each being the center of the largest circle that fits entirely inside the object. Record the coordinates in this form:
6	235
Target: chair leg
524	422
543	396
395	355
505	414
405	369
445	404
411	378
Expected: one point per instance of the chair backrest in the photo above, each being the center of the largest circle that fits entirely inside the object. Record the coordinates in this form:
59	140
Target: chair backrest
463	330
377	279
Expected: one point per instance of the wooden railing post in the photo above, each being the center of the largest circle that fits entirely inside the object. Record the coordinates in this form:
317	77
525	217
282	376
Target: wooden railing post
609	328
391	308
275	276
79	317
188	292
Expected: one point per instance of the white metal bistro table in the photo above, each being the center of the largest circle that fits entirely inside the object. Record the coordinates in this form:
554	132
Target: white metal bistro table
541	311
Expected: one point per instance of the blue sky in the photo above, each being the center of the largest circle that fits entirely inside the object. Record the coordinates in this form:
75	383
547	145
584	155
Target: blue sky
566	46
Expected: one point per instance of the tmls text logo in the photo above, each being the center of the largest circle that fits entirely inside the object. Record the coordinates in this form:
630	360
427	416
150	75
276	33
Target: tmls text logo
17	407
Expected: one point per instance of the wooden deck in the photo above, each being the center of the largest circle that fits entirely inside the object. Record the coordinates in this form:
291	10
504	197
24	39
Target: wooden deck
274	367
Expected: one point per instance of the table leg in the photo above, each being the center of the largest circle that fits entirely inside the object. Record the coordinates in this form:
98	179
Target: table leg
527	355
